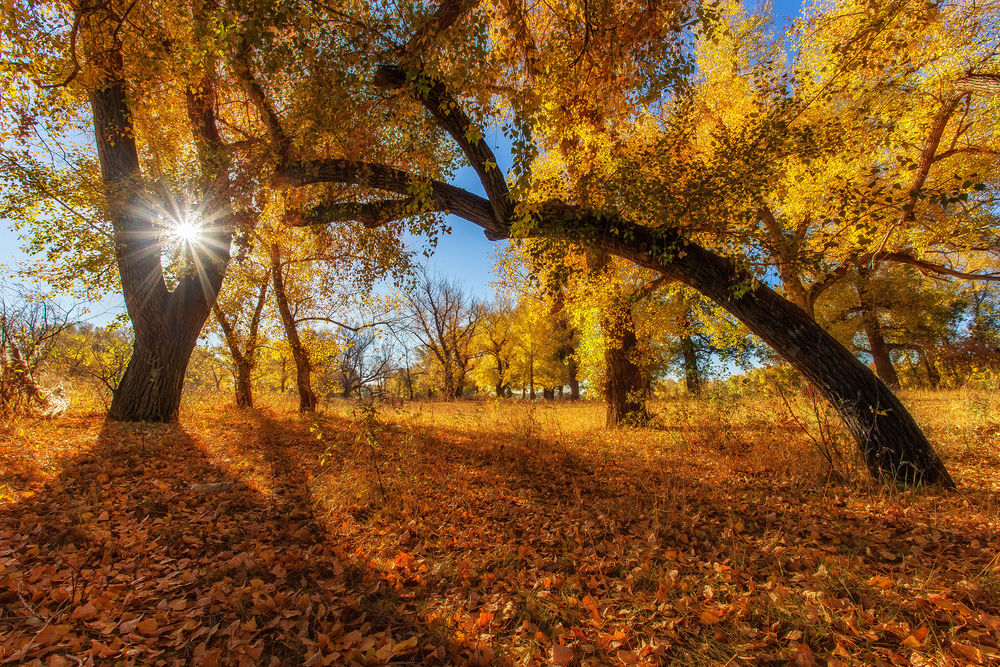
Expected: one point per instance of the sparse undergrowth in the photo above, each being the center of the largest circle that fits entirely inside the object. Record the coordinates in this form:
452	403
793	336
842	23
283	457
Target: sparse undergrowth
493	533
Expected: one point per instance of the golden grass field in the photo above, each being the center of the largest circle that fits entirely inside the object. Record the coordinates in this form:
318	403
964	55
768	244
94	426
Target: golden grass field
495	533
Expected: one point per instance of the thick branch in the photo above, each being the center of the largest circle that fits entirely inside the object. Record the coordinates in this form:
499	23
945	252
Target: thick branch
442	196
984	84
446	110
926	267
370	214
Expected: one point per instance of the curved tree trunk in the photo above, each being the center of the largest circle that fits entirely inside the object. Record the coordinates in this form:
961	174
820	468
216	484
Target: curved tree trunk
624	386
303	367
893	446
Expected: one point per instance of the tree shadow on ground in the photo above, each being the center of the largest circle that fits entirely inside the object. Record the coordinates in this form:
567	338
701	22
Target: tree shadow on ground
148	548
260	537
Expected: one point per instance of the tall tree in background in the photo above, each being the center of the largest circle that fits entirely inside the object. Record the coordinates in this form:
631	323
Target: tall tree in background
233	310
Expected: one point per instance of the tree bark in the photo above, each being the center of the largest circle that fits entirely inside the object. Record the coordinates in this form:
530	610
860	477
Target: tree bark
624	388
166	324
303	367
692	375
243	384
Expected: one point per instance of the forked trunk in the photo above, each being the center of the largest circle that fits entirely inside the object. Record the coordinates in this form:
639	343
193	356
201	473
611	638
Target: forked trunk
166	323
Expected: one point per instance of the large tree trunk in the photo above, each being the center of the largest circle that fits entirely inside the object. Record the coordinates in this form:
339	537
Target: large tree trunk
303	367
692	375
624	385
892	444
166	324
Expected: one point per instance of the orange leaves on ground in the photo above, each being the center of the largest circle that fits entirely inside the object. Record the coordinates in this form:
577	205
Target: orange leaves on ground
239	539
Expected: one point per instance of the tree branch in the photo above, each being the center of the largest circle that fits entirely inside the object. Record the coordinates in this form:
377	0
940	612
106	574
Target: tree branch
370	214
445	109
443	196
244	72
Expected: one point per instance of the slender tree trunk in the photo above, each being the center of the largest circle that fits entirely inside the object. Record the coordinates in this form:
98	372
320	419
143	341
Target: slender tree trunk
531	373
284	374
692	375
303	368
933	375
624	388
876	340
548	393
573	369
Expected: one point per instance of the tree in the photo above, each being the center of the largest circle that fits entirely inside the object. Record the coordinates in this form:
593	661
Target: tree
445	320
230	312
166	322
494	343
30	327
891	442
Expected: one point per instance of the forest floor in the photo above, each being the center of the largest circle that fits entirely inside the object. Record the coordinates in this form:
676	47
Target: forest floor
494	533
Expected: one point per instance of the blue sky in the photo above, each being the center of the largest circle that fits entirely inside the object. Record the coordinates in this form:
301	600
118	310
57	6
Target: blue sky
465	254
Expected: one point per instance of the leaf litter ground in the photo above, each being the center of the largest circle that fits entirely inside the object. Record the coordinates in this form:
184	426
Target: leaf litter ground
478	534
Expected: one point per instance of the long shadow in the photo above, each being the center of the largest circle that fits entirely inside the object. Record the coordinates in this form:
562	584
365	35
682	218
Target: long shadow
577	514
219	544
146	549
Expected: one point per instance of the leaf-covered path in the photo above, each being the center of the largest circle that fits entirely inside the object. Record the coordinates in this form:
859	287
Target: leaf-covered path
465	538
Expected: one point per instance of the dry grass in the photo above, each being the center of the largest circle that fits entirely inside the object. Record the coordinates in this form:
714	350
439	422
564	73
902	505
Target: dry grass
501	532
